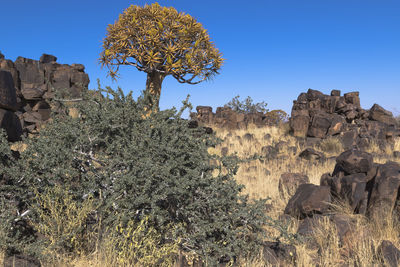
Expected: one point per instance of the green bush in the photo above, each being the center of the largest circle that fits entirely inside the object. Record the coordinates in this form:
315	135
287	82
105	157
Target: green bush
139	165
247	105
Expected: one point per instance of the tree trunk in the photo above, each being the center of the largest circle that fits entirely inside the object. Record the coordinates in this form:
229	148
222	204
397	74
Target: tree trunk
153	88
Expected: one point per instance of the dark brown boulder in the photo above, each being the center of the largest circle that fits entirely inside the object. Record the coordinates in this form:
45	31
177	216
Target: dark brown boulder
313	95
353	98
319	126
389	254
335	93
311	154
45	58
289	182
378	113
299	125
384	191
30	74
32	93
309	199
353	189
337	125
8	65
349	138
354	161
12	125
8	97
68	80
308	226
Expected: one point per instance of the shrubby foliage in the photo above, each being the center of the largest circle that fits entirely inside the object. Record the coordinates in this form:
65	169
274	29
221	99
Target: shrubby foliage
132	165
247	106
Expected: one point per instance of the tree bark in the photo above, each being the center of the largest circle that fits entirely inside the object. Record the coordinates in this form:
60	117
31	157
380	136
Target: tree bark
153	88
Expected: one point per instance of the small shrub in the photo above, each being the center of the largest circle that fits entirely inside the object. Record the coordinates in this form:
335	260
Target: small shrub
141	244
62	221
246	106
277	115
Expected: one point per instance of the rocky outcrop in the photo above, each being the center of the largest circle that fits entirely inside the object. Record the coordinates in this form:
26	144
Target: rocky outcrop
316	115
27	87
370	189
226	118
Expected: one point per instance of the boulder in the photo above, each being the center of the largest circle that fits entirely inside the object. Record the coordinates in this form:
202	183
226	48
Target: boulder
352	98
289	182
8	97
353	189
12	125
335	93
354	161
309	199
45	58
319	126
384	191
30	74
389	253
299	125
32	93
311	154
378	113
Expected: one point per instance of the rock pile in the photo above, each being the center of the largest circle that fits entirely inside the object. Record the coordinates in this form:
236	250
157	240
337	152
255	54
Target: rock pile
316	115
226	118
369	188
27	86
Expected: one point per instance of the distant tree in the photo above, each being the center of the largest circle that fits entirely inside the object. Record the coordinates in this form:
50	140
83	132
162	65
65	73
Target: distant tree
247	105
160	41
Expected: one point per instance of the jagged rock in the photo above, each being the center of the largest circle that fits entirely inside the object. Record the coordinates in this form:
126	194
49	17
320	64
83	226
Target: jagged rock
32	93
299	125
8	97
354	161
320	124
309	199
248	137
45	58
352	98
353	189
316	115
390	253
311	154
349	139
12	125
309	224
33	82
378	113
289	182
225	117
8	65
384	190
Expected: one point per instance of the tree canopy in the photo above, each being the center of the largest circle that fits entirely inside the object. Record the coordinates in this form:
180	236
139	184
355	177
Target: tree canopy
160	41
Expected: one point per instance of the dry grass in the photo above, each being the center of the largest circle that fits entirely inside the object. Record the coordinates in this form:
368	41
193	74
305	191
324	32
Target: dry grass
261	179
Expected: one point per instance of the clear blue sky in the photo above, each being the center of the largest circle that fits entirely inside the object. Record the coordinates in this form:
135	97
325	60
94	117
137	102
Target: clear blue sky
273	49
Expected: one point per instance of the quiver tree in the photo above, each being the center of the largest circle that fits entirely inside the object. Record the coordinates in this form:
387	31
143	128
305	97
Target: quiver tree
160	41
